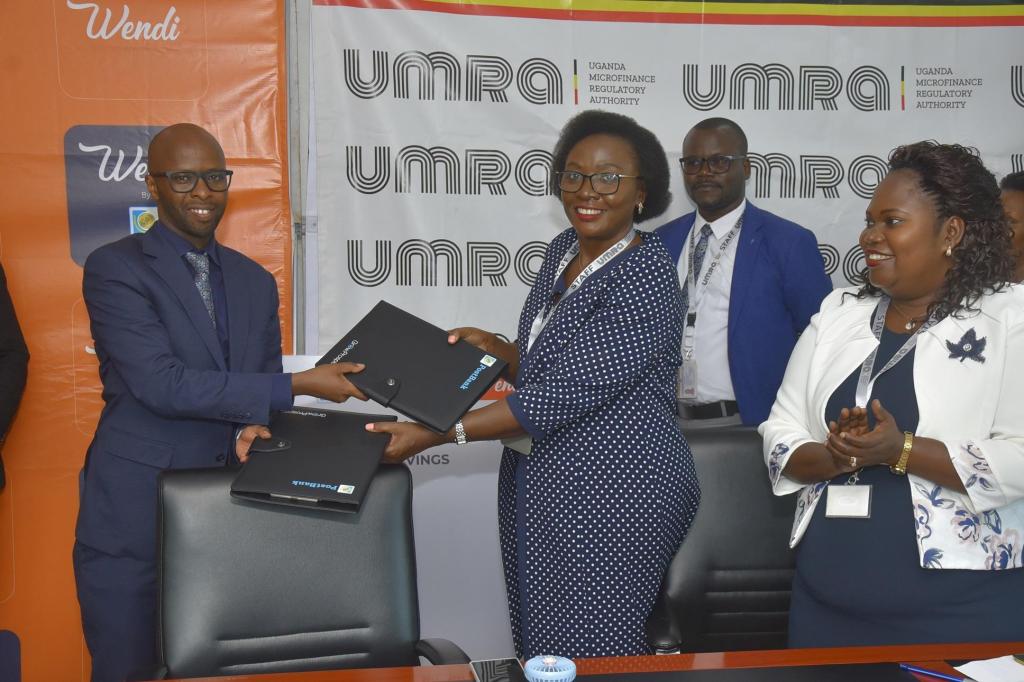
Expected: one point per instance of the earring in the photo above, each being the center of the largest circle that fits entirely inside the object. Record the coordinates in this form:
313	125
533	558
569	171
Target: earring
640	208
949	251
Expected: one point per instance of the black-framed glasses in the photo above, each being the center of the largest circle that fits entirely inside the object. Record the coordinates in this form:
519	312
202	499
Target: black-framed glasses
185	181
719	163
603	183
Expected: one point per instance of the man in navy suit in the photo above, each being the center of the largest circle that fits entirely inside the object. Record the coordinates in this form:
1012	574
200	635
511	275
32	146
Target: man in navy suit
751	280
188	338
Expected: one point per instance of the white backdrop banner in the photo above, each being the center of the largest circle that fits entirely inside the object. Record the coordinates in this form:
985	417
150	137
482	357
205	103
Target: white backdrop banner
435	123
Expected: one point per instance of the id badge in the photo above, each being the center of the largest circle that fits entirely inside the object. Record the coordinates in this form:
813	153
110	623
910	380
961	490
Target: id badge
688	379
848	501
688	371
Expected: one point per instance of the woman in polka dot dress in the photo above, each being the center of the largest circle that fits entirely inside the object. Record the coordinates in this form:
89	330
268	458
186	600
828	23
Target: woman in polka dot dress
598	489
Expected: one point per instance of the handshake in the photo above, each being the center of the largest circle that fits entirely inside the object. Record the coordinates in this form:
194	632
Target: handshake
329	382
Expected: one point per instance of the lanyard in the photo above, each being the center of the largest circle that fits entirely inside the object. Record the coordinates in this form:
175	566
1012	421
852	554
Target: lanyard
542	317
691	318
866	382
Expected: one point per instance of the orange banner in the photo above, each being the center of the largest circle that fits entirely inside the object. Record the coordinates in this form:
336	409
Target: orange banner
87	84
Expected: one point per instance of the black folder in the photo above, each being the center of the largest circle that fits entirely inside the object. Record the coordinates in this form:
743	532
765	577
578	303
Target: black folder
314	458
411	367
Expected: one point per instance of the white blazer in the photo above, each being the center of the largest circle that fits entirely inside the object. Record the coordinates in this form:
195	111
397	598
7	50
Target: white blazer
971	401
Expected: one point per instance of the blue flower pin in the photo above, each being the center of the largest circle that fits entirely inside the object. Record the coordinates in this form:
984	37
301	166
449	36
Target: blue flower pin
970	346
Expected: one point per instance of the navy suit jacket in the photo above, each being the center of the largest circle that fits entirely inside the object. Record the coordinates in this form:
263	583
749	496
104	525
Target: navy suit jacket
171	400
778	283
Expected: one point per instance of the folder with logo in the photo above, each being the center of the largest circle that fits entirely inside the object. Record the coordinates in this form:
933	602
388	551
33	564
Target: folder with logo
314	458
411	367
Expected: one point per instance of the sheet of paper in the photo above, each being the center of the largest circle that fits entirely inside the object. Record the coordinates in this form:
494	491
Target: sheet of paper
1002	669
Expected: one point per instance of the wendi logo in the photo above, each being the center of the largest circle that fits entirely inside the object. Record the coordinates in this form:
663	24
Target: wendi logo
136	50
103	25
105	169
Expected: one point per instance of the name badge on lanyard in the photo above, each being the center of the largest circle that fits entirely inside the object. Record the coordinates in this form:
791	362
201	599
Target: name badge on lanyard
687	384
850	500
542	318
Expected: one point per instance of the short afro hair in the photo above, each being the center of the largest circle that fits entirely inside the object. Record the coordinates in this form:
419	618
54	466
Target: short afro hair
717	123
1013	181
649	153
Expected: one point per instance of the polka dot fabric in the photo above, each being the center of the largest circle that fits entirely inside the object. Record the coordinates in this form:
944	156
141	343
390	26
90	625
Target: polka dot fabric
590	520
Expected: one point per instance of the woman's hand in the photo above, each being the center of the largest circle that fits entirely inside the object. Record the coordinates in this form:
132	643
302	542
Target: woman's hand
486	341
489	343
852	420
245	438
407	439
882	445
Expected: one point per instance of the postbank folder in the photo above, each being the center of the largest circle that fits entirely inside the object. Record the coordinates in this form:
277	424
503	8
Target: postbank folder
411	368
316	458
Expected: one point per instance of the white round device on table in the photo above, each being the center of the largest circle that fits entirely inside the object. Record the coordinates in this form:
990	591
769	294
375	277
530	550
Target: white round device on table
550	669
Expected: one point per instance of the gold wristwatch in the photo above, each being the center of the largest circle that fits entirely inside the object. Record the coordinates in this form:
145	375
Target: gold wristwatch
900	467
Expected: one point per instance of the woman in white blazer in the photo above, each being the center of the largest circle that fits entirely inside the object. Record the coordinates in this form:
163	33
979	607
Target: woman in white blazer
900	423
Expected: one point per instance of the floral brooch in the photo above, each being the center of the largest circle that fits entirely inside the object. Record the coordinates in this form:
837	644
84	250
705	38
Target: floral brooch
969	346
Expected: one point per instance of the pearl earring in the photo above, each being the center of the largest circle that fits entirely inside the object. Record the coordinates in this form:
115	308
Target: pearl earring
640	208
949	251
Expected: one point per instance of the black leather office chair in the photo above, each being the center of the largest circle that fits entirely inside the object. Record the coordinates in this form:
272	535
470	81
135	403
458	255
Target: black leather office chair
250	588
728	586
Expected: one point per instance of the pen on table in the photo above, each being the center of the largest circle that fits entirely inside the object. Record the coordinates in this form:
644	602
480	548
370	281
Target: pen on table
934	673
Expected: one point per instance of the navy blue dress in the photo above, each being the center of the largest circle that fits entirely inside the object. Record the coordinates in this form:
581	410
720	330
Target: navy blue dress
859	582
591	518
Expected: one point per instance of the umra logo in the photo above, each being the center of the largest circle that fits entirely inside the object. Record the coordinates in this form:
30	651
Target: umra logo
1017	84
866	88
424	169
442	262
417	262
435	75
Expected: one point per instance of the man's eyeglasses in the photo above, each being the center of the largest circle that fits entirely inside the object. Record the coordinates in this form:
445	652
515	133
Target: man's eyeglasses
719	163
603	183
186	181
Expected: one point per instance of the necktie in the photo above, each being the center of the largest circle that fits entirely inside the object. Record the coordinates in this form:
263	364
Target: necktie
201	265
699	251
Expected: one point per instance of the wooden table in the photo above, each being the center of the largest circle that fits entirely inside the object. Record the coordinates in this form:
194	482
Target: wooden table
932	656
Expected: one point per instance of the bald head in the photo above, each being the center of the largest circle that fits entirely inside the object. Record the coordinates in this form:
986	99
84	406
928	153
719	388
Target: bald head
180	135
185	151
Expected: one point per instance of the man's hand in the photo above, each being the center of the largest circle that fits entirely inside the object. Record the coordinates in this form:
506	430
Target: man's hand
328	382
245	438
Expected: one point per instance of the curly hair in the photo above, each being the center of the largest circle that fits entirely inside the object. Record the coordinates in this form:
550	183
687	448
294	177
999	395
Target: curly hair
649	152
958	184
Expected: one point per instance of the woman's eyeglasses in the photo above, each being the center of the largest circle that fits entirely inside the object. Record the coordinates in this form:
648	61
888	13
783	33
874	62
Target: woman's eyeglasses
603	183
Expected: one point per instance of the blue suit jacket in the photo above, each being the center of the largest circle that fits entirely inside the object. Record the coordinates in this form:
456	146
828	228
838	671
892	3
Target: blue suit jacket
171	401
778	283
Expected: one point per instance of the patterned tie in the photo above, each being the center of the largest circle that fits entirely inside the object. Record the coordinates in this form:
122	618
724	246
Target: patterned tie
200	262
699	251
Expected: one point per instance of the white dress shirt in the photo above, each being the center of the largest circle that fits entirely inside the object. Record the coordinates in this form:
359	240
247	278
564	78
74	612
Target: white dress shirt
711	303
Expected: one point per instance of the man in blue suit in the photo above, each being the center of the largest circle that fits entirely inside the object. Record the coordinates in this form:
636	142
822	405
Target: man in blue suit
751	280
189	342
